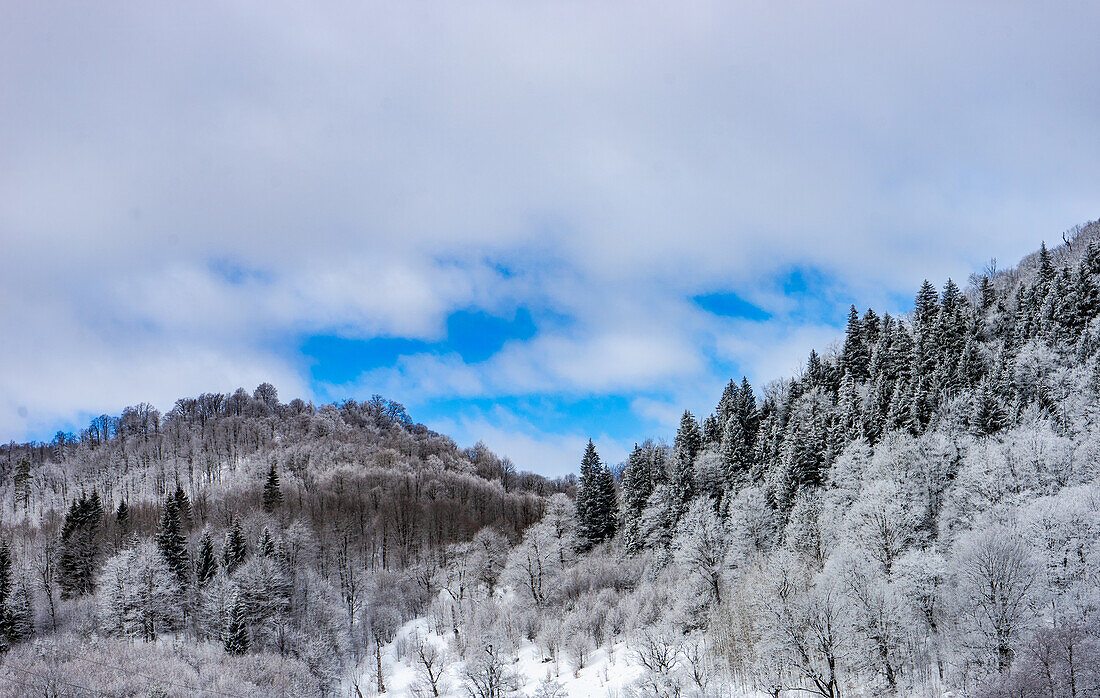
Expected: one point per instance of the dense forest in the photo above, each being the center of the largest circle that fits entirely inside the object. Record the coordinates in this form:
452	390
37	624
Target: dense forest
916	513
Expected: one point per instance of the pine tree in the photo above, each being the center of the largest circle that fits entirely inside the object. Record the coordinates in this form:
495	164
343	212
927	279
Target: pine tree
736	455
183	507
236	629
986	415
987	295
1046	268
1086	290
688	443
273	496
925	306
728	404
80	546
22	482
266	546
122	518
640	477
234	549
951	298
206	566
597	509
16	613
747	412
872	329
850	422
171	543
856	356
5	595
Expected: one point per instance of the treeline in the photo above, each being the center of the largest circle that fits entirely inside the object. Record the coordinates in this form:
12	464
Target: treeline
914	514
262	527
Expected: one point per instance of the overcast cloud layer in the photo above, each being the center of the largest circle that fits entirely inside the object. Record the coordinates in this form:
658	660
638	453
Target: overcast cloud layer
189	190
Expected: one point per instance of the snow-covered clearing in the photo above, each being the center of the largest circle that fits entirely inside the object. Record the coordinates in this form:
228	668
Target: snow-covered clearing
607	672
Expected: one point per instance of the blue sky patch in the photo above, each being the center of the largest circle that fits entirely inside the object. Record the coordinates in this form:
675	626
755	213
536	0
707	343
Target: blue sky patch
473	335
729	304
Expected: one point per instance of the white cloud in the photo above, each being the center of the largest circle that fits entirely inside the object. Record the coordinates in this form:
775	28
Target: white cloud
372	167
530	448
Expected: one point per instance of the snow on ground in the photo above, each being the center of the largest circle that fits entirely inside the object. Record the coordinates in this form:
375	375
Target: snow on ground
604	675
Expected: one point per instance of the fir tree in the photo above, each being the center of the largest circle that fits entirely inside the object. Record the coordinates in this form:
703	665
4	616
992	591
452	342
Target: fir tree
872	329
850	423
727	405
1086	290
273	495
234	549
856	356
688	443
736	455
122	517
80	546
170	540
16	614
5	594
183	507
747	412
236	629
1046	268
925	306
986	415
266	546
22	482
597	509
641	475
206	565
987	296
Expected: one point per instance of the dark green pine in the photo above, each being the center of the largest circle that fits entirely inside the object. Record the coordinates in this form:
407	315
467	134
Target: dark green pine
273	495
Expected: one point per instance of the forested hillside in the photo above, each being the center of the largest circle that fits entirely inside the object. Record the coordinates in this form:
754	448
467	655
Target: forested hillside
916	513
295	518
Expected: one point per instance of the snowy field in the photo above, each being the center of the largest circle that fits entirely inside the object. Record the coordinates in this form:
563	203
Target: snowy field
606	674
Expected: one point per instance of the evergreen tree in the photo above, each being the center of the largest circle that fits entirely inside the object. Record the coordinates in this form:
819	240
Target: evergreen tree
236	629
925	306
951	299
736	454
987	296
5	595
1046	268
919	406
22	482
266	546
872	329
712	430
206	565
688	443
641	475
729	403
856	356
234	549
597	509
122	518
80	546
170	540
1086	290
747	412
850	417
183	507
986	414
16	614
273	495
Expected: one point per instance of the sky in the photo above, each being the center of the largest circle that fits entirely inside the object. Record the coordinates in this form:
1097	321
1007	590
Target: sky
532	223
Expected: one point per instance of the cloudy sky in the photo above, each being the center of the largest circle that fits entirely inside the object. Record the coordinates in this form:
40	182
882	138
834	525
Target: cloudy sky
530	222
